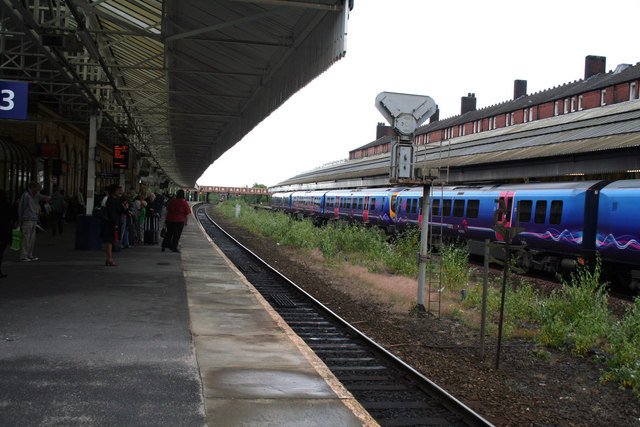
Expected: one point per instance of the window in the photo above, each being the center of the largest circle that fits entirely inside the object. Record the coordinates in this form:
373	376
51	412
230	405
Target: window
632	91
566	106
524	210
360	200
506	119
531	114
473	208
494	122
573	104
446	207
513	118
541	212
458	208
579	102
420	203
555	107
555	214
435	207
603	97
524	115
414	206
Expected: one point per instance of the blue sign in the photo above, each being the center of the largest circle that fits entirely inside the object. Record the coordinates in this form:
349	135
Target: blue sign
13	100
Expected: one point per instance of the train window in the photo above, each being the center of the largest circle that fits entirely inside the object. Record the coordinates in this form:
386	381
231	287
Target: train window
458	208
541	212
360	203
473	208
414	206
555	213
446	207
435	207
524	210
420	203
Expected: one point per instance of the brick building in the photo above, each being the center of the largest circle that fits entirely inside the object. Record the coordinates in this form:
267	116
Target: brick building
597	89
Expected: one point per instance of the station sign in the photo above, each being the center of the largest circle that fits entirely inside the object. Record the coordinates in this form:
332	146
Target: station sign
14	97
120	156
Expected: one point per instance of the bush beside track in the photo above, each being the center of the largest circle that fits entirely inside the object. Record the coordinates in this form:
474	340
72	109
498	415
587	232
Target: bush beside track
574	317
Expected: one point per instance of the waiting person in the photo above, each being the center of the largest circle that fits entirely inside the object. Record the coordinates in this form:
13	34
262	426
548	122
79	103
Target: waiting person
110	223
28	214
7	221
142	214
123	242
178	212
58	208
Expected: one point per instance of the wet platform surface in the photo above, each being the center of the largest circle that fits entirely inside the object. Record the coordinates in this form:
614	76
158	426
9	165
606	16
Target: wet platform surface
163	338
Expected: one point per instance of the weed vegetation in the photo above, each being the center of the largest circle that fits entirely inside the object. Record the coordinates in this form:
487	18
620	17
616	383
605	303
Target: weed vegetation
574	317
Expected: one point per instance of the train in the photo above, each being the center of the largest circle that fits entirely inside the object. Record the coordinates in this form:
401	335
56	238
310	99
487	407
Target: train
561	224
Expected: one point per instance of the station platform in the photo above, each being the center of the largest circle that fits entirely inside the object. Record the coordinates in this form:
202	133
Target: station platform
163	338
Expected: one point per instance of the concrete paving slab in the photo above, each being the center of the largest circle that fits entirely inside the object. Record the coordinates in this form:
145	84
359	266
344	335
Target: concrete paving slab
269	351
279	412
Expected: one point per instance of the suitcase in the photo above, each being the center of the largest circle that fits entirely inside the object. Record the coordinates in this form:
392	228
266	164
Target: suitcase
151	230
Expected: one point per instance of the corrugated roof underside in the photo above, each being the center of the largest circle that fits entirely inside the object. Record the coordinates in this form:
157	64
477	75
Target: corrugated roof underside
239	64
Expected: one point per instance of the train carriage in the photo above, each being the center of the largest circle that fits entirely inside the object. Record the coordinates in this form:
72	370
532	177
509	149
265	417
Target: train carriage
618	232
563	223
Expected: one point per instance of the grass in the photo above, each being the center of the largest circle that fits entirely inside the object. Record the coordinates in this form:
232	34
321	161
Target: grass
574	318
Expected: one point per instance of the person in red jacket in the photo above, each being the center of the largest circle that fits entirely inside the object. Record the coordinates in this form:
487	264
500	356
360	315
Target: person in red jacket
178	212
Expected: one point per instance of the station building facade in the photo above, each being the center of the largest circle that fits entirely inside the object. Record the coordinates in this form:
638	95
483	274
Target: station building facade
47	149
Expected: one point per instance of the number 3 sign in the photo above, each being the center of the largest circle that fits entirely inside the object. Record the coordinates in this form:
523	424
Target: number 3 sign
13	100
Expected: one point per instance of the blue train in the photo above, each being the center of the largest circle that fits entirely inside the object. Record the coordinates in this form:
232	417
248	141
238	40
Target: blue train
563	223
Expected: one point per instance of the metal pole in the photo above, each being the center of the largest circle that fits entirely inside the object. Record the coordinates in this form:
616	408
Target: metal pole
424	240
504	289
91	165
485	284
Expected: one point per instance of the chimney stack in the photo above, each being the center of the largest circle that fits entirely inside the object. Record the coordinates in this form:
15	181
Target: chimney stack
468	103
594	65
383	130
436	116
519	88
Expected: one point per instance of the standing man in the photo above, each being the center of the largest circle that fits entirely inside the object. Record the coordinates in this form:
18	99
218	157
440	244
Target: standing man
28	212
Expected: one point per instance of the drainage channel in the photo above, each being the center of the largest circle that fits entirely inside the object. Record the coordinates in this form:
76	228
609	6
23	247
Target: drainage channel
391	391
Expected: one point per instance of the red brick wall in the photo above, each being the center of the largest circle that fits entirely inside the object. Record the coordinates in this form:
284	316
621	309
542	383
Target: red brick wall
621	92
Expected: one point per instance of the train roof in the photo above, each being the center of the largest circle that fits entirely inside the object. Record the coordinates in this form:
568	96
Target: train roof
627	184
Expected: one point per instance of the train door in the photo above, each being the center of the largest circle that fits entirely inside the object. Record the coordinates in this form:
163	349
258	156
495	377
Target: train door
365	210
504	214
336	207
392	206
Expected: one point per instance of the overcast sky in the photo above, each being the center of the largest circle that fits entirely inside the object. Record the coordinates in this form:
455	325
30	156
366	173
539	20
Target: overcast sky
442	49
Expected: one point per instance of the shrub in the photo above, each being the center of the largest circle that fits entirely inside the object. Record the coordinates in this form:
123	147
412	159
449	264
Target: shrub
624	350
577	317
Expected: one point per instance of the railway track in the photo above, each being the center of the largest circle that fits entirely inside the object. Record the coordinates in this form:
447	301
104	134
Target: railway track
394	393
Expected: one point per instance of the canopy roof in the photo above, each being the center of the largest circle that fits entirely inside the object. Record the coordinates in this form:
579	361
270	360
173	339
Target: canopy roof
181	80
